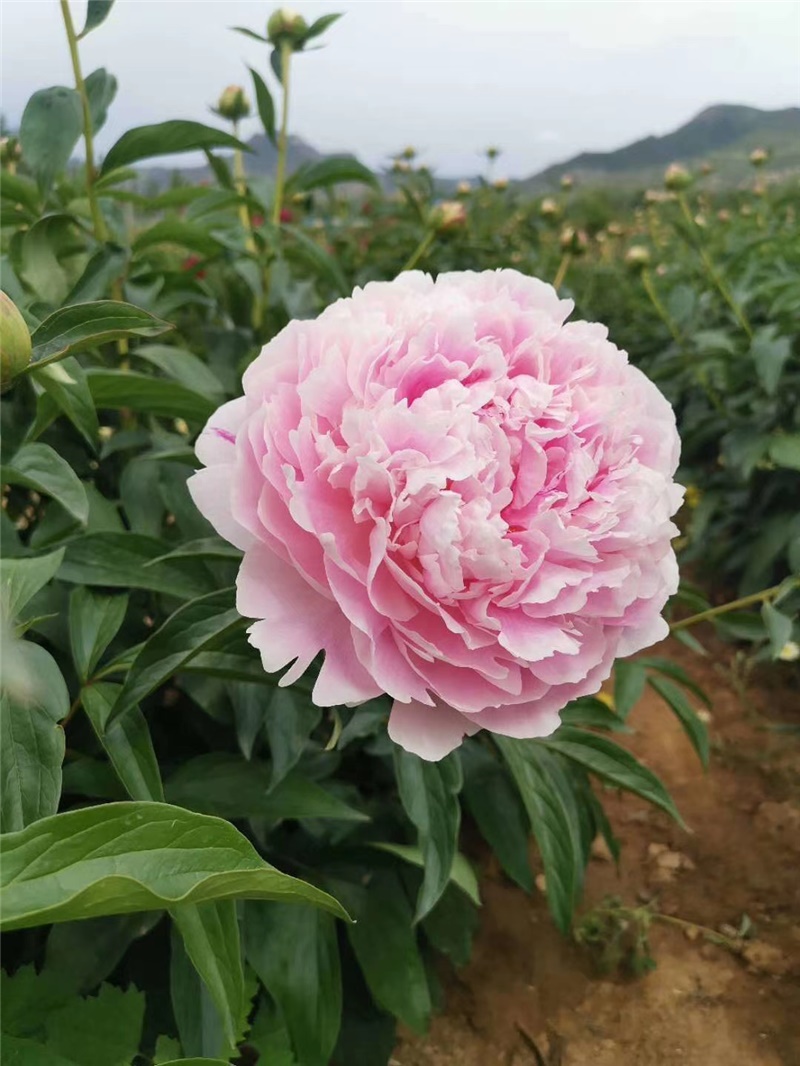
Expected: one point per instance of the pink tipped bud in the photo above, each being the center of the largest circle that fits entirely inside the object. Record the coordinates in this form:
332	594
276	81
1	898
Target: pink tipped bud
447	216
759	156
677	178
548	208
567	181
233	104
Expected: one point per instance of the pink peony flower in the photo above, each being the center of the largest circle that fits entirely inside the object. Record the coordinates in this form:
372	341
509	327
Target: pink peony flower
459	497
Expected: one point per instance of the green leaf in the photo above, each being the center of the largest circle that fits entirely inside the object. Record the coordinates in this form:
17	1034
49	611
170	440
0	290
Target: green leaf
694	728
191	629
592	713
319	26
334	170
19	190
210	934
39	262
310	254
451	926
203	548
184	367
106	266
166	138
127	742
550	799
612	763
21	579
189	235
250	33
779	628
385	945
79	955
677	673
784	450
101	1030
122	857
293	951
234	787
495	806
265	104
290	718
196	1016
429	793
461	873
116	389
94	621
68	388
118	560
17	1051
50	127
33	701
96	13
101	88
81	326
629	679
770	353
39	467
26	998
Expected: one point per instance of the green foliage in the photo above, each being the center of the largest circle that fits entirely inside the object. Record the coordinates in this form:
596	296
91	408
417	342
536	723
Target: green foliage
126	669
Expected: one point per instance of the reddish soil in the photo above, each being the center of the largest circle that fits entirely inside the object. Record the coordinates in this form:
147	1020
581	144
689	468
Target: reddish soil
530	998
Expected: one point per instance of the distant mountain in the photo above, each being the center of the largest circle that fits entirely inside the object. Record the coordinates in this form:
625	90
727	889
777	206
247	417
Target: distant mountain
723	135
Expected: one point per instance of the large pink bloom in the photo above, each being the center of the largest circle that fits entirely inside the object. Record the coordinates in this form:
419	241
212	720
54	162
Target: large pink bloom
461	499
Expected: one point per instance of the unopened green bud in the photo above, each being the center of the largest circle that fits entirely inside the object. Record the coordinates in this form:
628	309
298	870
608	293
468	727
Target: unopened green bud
233	104
759	156
15	342
447	216
677	178
548	208
637	257
285	26
573	241
567	182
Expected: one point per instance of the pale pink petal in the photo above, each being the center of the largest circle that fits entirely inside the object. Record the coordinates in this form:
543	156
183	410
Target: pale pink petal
430	732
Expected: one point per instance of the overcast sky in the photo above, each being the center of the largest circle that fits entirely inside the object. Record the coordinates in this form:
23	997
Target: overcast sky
543	80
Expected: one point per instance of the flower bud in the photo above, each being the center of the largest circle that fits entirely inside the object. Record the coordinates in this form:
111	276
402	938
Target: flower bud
500	184
567	182
447	216
463	188
692	497
548	208
677	178
706	169
759	156
10	152
15	342
637	257
401	166
573	241
615	229
724	215
790	652
492	153
286	27
409	153
233	104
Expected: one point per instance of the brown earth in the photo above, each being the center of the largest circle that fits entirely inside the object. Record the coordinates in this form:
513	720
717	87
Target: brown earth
530	998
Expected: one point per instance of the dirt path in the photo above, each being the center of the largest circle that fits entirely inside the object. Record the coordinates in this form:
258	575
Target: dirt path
703	1005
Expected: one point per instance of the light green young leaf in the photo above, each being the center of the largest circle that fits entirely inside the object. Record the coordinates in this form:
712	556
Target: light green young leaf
86	325
21	579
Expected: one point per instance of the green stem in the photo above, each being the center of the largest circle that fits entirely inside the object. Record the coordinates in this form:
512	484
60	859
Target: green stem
240	181
561	273
734	605
420	250
283	139
716	278
661	311
99	223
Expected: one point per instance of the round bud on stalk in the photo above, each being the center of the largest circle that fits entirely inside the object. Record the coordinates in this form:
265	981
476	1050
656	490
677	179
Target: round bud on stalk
447	216
15	342
409	153
723	215
401	166
574	241
790	652
233	104
614	229
637	257
500	184
492	153
548	208
759	156
567	182
10	152
463	188
286	27
677	178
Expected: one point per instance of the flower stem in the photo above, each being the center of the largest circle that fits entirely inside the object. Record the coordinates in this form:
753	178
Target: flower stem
240	181
735	605
716	278
561	273
661	311
420	250
99	223
283	139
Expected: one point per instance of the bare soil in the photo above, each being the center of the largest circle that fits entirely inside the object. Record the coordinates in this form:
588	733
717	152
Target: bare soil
531	998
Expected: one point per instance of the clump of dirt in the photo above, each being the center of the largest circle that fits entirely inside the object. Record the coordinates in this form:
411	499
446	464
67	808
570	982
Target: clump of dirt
530	998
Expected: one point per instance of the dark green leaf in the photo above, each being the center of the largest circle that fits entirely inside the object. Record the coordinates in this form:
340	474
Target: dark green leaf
96	13
592	713
127	742
21	579
197	1018
294	952
461	873
549	795
191	629
105	267
39	467
66	385
613	764
101	88
81	326
319	26
100	1030
334	170
779	627
94	621
785	450
290	717
693	726
429	793
166	138
184	367
33	700
451	926
79	955
189	235
306	251
677	673
51	124
264	102
769	352
250	33
117	560
115	389
117	858
629	679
